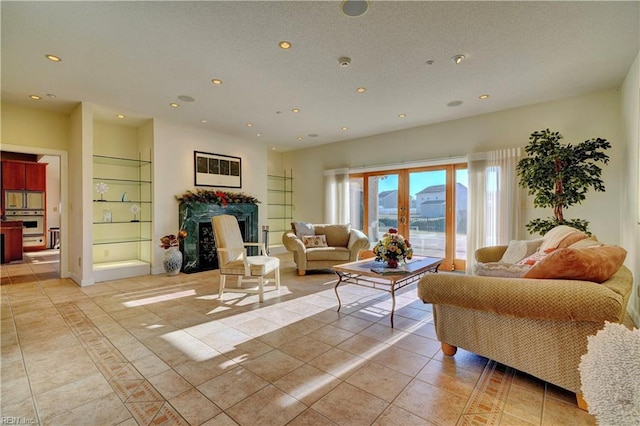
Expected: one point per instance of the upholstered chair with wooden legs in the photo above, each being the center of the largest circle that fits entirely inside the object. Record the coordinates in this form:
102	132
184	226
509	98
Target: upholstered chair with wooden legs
233	259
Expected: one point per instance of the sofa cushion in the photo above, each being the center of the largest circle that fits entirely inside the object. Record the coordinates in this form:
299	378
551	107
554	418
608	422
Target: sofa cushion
328	254
500	269
337	235
314	240
303	228
597	264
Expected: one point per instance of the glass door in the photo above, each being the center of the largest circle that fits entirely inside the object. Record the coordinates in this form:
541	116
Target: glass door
427	205
381	204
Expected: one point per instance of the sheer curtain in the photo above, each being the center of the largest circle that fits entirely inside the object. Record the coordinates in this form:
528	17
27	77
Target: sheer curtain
494	200
336	198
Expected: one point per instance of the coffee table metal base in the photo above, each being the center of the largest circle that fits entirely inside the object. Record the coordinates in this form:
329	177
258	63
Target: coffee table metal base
360	273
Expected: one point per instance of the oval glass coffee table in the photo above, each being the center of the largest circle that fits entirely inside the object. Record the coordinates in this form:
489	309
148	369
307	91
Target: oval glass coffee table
372	274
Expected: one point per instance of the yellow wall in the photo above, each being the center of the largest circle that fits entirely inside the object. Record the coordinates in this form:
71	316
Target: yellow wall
34	127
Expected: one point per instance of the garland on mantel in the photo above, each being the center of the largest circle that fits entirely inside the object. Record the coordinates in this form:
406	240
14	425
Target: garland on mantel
221	198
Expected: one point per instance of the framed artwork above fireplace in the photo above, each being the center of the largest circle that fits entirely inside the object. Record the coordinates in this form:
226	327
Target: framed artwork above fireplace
217	170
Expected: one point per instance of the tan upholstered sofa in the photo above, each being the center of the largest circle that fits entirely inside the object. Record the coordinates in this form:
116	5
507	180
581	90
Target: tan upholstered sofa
342	246
539	326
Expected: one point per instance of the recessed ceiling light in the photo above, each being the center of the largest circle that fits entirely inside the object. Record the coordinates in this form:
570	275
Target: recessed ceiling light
174	105
454	103
299	138
258	134
216	81
402	115
354	8
53	58
295	110
284	45
203	121
361	89
120	115
483	97
344	128
249	124
458	58
273	148
35	97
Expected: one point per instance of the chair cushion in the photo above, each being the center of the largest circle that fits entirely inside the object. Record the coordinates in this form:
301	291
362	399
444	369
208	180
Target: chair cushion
328	253
260	265
597	264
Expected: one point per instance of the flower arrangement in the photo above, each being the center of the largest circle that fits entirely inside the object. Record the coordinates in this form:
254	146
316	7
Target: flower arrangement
393	248
221	198
171	240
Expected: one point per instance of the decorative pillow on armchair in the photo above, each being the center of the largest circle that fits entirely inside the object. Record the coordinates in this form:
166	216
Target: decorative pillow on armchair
311	241
303	228
597	264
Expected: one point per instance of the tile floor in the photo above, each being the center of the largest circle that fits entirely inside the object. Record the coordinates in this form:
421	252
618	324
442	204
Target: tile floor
160	350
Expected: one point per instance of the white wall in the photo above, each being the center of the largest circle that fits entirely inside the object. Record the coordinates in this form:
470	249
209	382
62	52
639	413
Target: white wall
173	165
53	190
578	119
630	202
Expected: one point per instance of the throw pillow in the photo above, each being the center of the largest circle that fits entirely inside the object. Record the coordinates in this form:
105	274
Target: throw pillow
596	264
519	249
555	236
303	228
499	269
535	257
311	241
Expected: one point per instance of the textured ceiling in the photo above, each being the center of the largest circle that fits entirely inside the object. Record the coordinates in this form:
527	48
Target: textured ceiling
137	57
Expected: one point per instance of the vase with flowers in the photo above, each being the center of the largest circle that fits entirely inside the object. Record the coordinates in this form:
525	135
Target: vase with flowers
172	260
393	249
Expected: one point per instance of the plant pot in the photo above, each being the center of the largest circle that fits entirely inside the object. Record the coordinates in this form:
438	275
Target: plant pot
172	261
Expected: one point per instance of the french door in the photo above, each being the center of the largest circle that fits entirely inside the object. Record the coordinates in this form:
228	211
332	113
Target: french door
427	205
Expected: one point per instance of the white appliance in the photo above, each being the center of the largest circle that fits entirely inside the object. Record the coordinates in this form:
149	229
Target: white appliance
32	226
23	200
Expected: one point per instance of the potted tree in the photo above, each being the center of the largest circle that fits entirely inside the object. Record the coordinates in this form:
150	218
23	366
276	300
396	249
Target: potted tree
559	175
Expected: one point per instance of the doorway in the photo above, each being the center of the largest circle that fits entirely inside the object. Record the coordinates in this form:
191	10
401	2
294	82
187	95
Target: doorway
427	205
55	259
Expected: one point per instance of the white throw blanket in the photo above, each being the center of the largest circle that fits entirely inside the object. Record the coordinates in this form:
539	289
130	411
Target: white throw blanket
610	375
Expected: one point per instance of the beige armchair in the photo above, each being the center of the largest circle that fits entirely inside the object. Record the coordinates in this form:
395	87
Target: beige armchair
233	259
341	245
539	326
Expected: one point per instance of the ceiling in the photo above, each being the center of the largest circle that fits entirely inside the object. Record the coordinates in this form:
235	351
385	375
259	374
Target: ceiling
135	58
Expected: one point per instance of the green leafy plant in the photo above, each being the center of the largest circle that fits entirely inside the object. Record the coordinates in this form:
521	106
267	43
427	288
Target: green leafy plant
559	176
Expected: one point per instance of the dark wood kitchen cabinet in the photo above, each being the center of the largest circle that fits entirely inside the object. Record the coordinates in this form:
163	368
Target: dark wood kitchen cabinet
23	175
11	241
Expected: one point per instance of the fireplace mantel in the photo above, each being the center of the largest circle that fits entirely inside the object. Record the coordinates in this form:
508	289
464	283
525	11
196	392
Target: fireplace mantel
198	248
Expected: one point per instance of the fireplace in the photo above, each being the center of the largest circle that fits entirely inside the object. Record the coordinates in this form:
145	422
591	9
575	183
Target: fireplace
198	249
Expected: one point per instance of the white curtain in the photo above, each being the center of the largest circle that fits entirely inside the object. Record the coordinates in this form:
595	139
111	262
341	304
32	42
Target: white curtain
336	200
495	199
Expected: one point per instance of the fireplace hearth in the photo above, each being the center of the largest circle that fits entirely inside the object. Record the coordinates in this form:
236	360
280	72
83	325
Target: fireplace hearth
198	249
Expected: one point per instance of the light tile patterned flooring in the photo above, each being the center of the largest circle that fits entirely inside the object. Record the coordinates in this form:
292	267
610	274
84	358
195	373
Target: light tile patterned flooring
160	350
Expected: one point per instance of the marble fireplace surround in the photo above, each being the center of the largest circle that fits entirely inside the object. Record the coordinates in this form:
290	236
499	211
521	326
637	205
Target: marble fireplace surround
198	249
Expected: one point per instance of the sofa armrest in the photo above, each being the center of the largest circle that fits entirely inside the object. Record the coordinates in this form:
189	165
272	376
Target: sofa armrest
490	254
545	299
357	241
292	243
